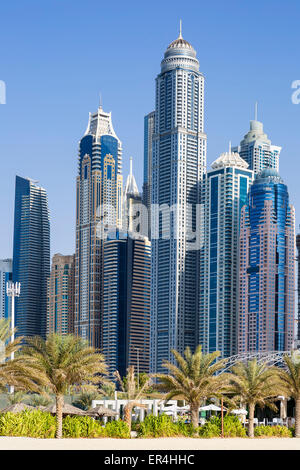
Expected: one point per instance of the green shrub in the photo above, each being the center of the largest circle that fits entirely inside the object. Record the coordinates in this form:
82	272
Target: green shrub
28	423
39	424
82	426
232	427
163	426
272	431
210	429
117	429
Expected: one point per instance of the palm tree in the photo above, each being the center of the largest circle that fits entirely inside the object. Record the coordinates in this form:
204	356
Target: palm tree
193	379
60	362
254	383
132	392
40	400
13	372
16	397
85	399
290	380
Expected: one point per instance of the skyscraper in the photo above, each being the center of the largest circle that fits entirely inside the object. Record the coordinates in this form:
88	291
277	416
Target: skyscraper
99	185
149	122
31	256
60	309
257	150
267	267
5	276
131	198
298	265
224	193
126	319
178	164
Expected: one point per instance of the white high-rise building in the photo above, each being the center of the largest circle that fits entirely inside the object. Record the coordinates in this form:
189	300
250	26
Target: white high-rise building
257	150
178	165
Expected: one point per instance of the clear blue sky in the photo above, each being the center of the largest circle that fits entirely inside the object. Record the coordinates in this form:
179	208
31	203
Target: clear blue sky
57	56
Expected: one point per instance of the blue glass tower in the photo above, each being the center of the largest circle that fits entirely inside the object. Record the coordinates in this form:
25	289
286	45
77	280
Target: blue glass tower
99	183
267	267
31	256
5	276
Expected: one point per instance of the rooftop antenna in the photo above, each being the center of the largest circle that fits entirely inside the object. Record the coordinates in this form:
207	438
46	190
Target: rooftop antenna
130	171
100	100
230	147
180	29
256	107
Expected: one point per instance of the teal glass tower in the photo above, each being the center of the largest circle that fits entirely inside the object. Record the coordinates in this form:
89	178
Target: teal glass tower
5	277
31	257
224	192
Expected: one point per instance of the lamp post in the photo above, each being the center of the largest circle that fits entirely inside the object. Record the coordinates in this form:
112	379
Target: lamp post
138	367
222	417
13	290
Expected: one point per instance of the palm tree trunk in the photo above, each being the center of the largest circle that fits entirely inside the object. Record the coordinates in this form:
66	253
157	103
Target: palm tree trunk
195	414
59	415
297	418
251	420
127	415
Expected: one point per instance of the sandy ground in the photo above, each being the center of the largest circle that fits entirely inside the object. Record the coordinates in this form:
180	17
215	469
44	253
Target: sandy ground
20	443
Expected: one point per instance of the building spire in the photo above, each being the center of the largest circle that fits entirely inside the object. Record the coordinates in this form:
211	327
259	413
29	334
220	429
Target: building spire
130	171
100	100
180	29
256	108
230	147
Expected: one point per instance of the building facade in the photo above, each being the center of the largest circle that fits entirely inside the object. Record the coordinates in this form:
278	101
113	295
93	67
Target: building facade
257	150
298	290
126	319
267	267
5	276
60	308
149	122
98	206
178	164
132	205
31	257
224	192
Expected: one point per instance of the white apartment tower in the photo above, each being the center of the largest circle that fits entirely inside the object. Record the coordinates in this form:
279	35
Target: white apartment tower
178	165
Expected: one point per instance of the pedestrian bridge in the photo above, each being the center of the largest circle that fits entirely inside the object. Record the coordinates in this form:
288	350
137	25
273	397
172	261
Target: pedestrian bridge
272	358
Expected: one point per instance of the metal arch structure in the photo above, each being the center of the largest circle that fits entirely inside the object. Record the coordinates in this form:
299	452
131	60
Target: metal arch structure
272	358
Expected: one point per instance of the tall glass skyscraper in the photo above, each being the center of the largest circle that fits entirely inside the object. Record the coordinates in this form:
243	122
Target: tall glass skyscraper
99	183
257	150
178	164
5	276
224	193
31	256
126	319
267	267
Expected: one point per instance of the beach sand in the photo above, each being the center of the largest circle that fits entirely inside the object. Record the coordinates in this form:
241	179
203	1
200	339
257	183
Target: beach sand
22	443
